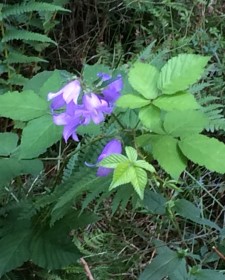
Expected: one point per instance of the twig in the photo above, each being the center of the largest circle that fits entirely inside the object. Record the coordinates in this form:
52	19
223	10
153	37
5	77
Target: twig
86	269
218	253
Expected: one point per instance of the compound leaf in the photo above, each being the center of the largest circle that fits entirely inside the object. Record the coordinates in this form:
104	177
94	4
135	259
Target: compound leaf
180	72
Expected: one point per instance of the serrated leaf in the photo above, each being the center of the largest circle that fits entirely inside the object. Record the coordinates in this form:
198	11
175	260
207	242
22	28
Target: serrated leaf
166	151
112	161
143	78
8	143
37	136
205	151
131	153
22	106
132	101
150	116
121	175
144	164
138	178
183	123
180	72
162	266
14	250
180	102
91	129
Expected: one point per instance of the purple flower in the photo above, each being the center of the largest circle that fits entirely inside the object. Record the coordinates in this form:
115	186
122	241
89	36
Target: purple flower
68	93
70	120
112	92
113	147
94	108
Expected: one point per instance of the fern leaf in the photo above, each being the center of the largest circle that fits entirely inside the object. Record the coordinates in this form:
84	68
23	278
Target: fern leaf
16	57
19	34
17	9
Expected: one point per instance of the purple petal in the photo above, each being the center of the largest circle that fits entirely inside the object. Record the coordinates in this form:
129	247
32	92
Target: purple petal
61	119
71	91
103	171
113	147
112	92
57	102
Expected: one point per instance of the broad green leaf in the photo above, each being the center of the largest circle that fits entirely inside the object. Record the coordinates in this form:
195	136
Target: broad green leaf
144	164
37	80
121	175
13	167
55	82
143	78
205	151
144	141
131	153
52	247
150	116
180	102
184	123
154	202
14	249
208	274
132	101
37	136
112	161
8	143
180	72
90	72
9	168
166	151
22	106
188	210
138	178
162	266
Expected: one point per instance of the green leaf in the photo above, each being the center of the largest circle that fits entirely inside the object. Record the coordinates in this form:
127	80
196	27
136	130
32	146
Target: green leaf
22	34
205	151
162	266
14	249
52	248
180	102
90	72
113	160
12	167
54	82
154	202
180	72
8	143
121	175
91	129
150	116
144	164
138	178
131	153
132	101
166	151
143	78
22	106
37	136
208	274
184	123
188	210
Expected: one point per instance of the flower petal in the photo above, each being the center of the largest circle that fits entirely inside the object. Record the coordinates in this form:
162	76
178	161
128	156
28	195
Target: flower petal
103	171
71	91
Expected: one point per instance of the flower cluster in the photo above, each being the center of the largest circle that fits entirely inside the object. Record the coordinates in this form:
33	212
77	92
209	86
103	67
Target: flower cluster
93	107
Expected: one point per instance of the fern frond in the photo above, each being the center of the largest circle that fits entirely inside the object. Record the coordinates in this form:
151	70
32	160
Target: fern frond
18	9
68	170
16	57
18	34
198	87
